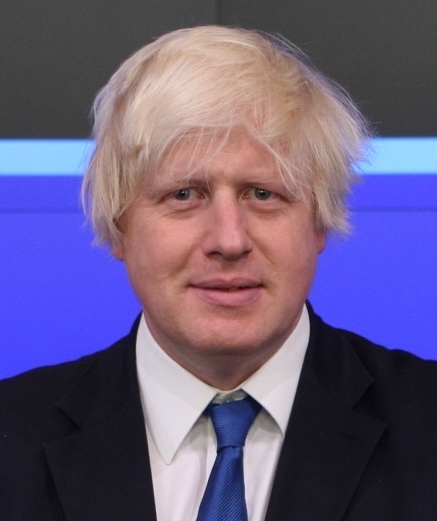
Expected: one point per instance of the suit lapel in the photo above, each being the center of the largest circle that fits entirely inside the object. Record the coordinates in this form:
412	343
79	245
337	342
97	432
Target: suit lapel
102	470
328	444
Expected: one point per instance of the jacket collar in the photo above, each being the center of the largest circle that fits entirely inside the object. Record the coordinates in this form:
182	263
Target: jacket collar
101	470
328	444
326	449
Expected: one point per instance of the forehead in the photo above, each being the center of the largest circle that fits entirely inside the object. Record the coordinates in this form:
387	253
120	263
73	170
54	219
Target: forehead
237	155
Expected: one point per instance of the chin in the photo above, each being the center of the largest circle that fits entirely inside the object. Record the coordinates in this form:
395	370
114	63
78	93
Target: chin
227	345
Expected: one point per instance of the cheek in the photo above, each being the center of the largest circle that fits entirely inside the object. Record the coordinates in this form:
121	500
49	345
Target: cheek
294	243
156	256
296	260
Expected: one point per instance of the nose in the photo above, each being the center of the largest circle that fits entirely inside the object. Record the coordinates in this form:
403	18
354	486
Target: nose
227	234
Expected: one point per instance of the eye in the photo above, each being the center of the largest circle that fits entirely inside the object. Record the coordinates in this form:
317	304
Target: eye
261	194
184	194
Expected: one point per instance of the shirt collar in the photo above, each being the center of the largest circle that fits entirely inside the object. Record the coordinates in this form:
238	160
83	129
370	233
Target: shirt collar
274	384
173	399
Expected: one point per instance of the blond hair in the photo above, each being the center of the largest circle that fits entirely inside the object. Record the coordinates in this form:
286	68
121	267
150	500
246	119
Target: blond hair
204	82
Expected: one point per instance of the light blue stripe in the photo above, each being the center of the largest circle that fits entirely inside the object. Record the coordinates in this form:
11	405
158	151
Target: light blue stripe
68	157
37	157
402	156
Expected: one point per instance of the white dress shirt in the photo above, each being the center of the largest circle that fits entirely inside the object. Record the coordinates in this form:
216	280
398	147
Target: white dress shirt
181	441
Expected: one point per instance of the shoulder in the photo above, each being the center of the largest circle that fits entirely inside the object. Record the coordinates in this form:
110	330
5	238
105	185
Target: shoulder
394	363
402	387
56	378
378	360
32	397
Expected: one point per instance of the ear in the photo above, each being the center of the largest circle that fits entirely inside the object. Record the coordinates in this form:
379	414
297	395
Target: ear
321	241
117	249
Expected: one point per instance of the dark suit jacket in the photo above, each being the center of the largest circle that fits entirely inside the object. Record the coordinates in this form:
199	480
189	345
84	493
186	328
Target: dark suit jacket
361	444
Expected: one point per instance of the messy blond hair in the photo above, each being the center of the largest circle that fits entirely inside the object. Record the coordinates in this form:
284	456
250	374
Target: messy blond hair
203	83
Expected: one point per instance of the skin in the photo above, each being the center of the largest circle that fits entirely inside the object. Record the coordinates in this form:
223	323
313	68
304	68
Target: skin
223	263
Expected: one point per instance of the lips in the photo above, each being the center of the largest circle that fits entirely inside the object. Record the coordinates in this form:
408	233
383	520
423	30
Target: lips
235	292
233	284
232	289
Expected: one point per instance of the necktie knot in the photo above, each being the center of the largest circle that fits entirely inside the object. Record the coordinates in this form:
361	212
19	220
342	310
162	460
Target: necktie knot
232	421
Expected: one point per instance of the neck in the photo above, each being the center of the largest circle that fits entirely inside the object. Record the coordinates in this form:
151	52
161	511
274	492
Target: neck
224	372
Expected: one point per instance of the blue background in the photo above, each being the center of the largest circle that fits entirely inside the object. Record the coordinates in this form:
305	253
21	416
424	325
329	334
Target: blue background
62	298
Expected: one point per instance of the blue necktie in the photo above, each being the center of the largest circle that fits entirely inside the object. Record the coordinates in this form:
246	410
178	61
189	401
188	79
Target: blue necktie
224	498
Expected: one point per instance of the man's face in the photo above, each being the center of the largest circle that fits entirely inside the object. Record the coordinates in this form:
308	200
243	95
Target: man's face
222	264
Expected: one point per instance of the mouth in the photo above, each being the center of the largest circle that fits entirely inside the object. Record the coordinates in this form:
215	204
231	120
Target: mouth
232	289
229	293
235	284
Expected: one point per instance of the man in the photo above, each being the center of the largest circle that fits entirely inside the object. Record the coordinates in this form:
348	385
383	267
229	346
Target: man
222	161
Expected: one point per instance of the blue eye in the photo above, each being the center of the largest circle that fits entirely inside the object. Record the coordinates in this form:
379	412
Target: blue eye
262	194
183	194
